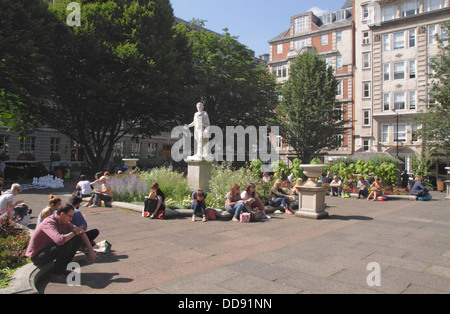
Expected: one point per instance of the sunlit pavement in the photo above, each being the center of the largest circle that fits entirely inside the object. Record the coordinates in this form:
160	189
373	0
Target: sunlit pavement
397	246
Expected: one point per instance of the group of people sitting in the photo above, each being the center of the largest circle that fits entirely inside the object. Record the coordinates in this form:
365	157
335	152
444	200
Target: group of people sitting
96	195
367	189
61	231
236	202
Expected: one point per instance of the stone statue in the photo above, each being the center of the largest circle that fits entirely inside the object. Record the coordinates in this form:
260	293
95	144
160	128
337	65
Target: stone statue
201	136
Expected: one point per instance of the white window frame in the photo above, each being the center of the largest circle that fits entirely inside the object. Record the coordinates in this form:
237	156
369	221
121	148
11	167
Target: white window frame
300	24
324	40
279	49
398	70
340	88
432	31
338	36
386	42
431	5
366	117
365	12
410	8
401	135
339	62
412	72
398	40
385	133
365	38
366	145
366	60
412	37
386	102
386	68
27	145
412	100
366	90
388	13
399	101
279	141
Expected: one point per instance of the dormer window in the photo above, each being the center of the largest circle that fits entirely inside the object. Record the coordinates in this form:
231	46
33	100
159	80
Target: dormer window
300	24
327	18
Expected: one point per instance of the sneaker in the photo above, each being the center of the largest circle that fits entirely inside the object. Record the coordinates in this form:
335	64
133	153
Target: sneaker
266	217
145	214
92	206
277	211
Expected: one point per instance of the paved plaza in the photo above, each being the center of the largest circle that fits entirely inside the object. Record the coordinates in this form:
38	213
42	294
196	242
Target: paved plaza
409	240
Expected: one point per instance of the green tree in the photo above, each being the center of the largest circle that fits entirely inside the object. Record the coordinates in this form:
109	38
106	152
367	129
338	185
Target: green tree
121	72
307	115
29	40
227	79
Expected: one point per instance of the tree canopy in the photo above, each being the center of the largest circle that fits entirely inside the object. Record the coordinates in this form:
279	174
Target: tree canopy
121	71
307	114
227	79
126	69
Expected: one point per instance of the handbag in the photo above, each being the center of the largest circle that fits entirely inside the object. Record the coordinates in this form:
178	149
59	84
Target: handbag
245	217
210	214
161	214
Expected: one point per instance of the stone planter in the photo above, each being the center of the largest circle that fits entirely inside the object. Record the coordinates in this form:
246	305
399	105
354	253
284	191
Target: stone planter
312	172
130	163
312	194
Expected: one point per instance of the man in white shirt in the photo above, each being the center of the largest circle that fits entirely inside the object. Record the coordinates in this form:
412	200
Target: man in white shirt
7	198
336	186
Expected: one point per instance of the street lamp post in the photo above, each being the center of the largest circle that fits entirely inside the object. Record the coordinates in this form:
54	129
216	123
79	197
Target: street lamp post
396	137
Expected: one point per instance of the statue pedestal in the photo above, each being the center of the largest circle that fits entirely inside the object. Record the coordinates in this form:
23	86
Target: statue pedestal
312	202
199	174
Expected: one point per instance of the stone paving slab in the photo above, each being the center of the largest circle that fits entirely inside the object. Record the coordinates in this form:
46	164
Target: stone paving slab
285	254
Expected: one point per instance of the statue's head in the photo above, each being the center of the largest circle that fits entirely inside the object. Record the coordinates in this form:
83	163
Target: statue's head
200	106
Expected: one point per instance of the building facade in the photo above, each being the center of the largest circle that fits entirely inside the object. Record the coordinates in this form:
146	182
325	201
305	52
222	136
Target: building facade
381	51
395	43
331	35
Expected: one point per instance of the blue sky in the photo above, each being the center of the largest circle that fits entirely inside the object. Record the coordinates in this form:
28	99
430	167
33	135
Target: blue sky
253	21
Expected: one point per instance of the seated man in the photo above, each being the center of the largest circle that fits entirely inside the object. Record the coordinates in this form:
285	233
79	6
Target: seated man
79	220
336	186
363	187
198	204
51	242
418	189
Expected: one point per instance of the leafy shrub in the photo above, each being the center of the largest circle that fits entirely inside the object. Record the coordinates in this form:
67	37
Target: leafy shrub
133	187
13	244
222	177
380	167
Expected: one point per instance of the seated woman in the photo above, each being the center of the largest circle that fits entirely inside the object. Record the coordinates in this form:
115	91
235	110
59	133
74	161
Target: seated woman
252	200
155	206
375	189
279	197
233	202
54	204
